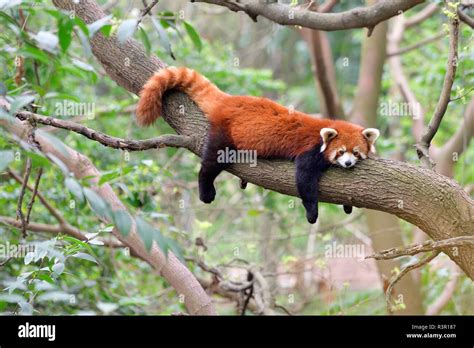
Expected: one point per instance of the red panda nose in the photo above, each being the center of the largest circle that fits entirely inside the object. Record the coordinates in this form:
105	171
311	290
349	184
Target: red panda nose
348	163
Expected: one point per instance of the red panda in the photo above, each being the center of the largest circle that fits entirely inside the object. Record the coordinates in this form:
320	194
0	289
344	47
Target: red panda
259	124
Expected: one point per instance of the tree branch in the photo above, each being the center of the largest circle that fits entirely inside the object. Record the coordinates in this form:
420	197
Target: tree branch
367	17
170	140
465	18
424	14
65	229
415	45
429	245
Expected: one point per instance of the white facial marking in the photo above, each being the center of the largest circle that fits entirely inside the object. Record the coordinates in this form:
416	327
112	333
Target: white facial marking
347	160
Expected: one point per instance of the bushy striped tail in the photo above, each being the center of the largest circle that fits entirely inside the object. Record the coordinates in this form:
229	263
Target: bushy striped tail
199	89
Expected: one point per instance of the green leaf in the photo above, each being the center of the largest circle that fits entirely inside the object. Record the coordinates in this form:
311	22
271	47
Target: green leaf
146	232
6	157
45	277
58	268
82	65
20	102
47	41
38	160
98	205
161	241
61	96
175	248
97	25
83	26
193	35
65	34
35	53
145	40
163	36
123	221
109	177
126	30
75	188
85	44
85	256
6	4
56	142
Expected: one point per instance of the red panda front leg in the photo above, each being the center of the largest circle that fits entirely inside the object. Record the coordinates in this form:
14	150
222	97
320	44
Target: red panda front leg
211	166
310	166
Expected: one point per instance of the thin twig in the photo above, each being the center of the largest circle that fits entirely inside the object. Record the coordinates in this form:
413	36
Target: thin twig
170	140
43	200
404	271
146	11
463	95
19	211
56	229
424	14
416	45
35	192
465	18
429	245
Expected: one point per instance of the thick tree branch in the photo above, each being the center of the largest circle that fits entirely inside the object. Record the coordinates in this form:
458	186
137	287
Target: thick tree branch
367	17
436	204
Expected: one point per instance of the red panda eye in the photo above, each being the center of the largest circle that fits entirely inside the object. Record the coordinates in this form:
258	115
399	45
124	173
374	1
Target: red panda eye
356	153
341	152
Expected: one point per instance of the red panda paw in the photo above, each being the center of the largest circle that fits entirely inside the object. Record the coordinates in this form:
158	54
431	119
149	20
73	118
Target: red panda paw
347	209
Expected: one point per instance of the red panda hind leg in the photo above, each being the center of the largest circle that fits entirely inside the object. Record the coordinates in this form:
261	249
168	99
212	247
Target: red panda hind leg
310	166
211	165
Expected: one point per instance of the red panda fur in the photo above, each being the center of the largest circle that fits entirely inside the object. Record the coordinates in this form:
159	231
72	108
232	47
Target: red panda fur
249	122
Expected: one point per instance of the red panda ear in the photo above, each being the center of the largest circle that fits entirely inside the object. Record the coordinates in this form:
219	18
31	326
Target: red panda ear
371	134
327	134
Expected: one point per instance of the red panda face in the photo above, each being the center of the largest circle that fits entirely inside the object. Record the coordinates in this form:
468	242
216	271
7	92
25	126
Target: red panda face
349	145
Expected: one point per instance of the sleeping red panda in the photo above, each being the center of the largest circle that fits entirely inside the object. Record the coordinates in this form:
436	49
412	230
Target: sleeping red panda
272	130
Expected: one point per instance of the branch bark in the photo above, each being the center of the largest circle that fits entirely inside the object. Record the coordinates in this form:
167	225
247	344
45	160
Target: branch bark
436	204
367	17
170	140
